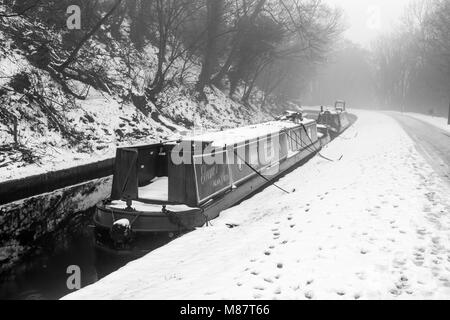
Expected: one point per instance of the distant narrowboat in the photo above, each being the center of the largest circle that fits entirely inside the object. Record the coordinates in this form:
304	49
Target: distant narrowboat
335	121
175	186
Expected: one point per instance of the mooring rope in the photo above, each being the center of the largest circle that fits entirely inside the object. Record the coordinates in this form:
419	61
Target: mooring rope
290	137
317	150
259	174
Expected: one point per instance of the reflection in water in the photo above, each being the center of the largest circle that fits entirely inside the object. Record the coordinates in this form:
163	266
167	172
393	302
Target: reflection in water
44	275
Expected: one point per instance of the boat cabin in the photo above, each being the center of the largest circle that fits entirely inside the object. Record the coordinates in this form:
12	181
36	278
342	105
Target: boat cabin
196	169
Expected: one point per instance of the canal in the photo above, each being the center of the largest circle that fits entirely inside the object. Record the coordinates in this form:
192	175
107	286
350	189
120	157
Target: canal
42	274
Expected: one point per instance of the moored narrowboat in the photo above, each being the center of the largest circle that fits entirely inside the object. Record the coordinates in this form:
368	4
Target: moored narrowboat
334	121
180	185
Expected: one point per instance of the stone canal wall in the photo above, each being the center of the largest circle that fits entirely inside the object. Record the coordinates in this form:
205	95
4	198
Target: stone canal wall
24	223
14	190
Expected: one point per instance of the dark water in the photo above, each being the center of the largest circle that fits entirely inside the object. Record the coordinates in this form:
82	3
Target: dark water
43	274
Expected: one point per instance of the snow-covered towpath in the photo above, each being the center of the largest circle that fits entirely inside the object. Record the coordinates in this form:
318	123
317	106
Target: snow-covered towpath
374	225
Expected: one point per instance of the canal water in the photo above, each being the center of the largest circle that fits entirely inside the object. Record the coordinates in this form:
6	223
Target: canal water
44	273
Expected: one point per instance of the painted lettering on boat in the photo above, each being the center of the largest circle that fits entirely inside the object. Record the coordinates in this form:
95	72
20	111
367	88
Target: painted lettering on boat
211	179
213	176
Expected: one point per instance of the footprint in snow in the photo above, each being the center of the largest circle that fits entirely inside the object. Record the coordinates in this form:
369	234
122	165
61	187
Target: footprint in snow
295	287
309	295
395	292
422	231
340	293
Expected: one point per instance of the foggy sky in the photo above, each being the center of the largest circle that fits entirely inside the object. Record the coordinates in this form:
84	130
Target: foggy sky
366	19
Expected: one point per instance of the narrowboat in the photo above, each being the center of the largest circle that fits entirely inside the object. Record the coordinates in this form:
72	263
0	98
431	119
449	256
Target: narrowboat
177	186
334	121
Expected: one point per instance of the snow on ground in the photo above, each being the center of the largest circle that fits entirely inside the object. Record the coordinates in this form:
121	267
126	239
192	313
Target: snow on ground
373	225
439	122
101	119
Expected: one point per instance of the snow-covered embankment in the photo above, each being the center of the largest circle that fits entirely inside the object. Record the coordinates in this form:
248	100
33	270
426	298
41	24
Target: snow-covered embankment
373	225
439	122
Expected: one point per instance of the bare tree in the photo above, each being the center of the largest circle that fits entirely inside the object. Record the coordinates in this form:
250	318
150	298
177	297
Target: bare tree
86	37
412	65
241	35
213	24
171	16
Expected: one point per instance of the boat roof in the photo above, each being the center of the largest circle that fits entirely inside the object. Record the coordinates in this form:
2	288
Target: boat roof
238	135
333	111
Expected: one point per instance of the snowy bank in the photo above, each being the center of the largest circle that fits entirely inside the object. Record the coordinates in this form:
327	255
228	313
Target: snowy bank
57	130
439	122
370	226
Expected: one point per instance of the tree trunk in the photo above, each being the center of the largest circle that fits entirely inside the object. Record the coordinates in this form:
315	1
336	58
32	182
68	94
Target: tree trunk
234	81
117	24
240	36
246	96
15	131
215	11
158	83
448	114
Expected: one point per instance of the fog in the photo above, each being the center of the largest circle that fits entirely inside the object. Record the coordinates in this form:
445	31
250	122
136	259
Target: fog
399	62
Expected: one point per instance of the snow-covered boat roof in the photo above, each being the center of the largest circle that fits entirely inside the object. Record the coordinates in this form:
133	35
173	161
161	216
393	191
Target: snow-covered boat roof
333	111
237	135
